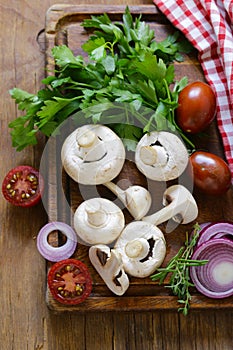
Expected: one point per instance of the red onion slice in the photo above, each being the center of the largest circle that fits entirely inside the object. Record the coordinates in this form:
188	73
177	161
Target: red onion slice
56	253
215	230
215	279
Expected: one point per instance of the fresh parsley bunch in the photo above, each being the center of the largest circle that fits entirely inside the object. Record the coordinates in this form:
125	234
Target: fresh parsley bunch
125	82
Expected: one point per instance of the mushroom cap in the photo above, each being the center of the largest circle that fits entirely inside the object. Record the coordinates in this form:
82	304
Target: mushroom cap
138	201
108	264
180	206
110	155
161	156
137	231
98	220
182	198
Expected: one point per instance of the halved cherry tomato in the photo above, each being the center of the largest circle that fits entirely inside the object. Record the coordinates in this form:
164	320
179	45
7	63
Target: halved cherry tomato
197	107
212	175
69	281
23	186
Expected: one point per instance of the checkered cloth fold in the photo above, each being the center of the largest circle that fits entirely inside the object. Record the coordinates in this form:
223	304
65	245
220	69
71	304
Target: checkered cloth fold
208	25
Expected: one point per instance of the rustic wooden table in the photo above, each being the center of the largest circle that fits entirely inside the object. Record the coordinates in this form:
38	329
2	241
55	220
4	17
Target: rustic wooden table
26	322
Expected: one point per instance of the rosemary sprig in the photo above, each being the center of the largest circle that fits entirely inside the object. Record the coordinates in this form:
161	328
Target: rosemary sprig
178	267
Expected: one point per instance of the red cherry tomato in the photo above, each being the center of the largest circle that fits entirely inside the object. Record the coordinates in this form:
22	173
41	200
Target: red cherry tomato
69	281
197	107
23	186
211	173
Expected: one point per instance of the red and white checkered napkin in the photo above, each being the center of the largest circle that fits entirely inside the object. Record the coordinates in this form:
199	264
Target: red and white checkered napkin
208	25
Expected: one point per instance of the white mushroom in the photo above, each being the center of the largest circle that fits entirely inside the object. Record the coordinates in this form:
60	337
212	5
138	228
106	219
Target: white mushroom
179	206
142	247
135	198
93	154
161	156
108	264
98	220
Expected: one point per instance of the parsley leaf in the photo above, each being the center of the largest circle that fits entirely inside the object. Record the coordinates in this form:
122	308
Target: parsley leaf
144	67
125	79
130	134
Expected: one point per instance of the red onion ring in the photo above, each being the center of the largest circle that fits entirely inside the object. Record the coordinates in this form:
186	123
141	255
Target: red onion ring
56	253
215	279
215	230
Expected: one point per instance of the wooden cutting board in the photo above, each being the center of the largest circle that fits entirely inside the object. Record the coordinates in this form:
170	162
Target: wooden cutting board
63	195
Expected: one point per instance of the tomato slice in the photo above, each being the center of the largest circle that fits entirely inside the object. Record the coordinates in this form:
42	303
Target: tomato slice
69	281
23	186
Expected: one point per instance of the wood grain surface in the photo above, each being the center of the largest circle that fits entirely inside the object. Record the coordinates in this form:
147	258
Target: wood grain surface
26	321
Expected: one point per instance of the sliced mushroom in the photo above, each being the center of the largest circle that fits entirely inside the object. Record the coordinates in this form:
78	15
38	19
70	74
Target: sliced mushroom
108	264
179	206
142	247
161	156
98	220
93	154
135	198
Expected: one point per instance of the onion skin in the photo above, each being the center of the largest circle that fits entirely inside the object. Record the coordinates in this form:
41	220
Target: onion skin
55	254
218	251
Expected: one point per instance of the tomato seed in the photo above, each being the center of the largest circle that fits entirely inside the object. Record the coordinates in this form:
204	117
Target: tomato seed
31	177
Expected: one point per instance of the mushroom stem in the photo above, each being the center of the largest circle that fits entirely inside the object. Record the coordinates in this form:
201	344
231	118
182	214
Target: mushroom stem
137	248
96	216
91	147
165	214
87	139
121	195
180	206
151	155
135	198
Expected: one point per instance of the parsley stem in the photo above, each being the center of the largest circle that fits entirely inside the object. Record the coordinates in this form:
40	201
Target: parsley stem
169	99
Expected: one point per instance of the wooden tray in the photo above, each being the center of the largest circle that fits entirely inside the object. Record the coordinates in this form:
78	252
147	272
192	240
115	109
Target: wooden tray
63	27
